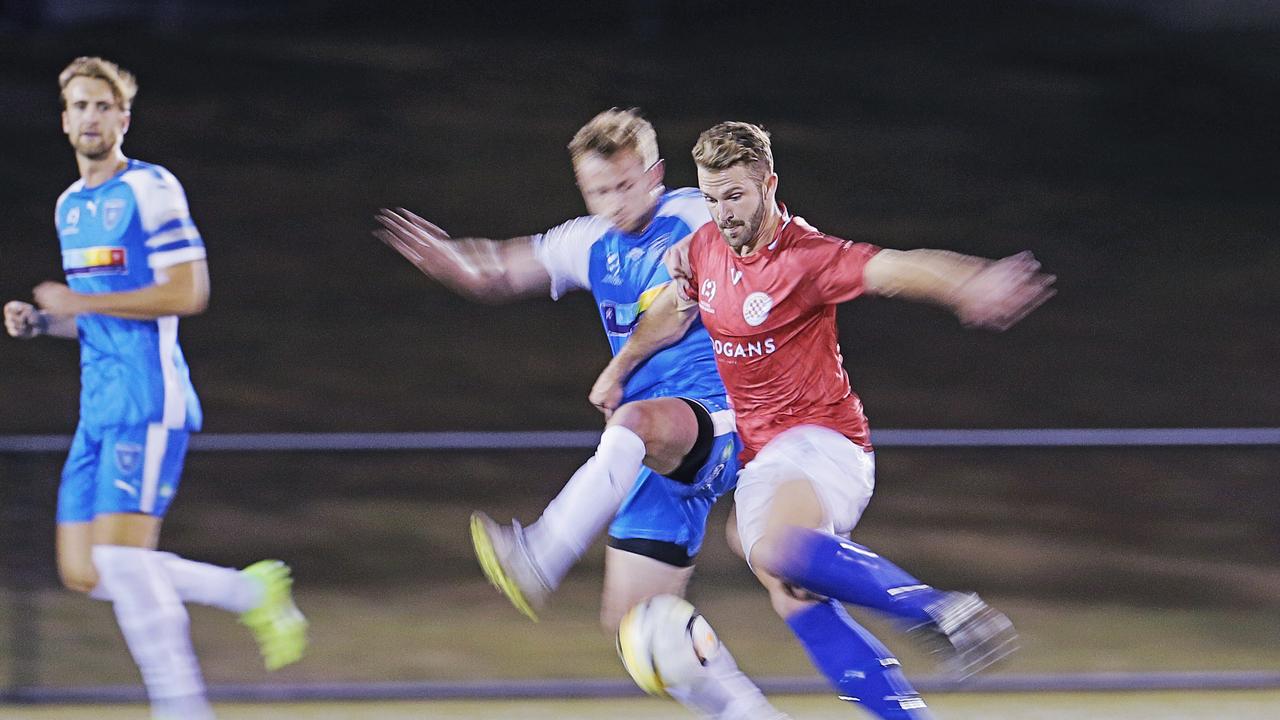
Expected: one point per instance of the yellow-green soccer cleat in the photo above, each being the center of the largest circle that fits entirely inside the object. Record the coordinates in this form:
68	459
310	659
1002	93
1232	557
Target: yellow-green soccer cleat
277	624
506	562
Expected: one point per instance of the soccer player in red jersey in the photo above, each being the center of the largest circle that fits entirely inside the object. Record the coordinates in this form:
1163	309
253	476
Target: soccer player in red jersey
766	284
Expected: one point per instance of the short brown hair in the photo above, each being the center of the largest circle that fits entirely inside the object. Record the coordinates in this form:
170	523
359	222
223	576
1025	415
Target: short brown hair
614	131
123	85
731	143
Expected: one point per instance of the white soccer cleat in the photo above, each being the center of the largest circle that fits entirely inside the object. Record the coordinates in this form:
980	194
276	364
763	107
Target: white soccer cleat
506	562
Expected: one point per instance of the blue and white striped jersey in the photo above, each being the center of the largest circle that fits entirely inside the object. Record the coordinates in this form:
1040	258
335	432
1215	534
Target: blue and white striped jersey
625	273
115	237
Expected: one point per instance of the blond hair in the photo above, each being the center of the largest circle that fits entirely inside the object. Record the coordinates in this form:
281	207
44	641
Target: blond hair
123	85
731	143
614	131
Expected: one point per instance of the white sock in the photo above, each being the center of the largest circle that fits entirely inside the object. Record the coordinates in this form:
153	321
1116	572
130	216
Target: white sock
590	499
154	623
724	692
213	585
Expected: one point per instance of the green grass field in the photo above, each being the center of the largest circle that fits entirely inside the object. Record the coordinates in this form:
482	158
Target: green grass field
1221	705
466	631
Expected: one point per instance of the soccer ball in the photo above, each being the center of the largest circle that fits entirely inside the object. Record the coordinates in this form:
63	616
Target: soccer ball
664	642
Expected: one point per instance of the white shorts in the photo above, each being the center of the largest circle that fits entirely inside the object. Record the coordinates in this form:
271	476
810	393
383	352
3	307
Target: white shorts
843	476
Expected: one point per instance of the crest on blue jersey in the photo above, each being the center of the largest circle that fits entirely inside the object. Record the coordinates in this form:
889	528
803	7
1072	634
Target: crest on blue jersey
128	457
613	268
112	211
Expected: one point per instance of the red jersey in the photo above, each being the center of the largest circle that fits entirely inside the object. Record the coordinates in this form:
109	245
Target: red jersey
772	320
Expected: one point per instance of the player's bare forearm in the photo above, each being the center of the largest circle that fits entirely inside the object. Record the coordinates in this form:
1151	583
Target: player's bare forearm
664	323
180	290
993	294
480	269
502	270
921	275
60	326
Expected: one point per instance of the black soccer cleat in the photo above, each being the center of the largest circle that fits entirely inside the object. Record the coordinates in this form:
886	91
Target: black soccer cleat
968	634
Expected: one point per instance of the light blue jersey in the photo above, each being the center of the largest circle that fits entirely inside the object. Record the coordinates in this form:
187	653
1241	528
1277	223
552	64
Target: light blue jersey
625	273
137	405
115	237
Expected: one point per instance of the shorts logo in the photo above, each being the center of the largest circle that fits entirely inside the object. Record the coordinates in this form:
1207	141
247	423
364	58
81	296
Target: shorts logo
755	309
128	456
112	210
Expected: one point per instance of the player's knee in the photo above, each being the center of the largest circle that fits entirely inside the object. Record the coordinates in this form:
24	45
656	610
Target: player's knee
633	417
766	554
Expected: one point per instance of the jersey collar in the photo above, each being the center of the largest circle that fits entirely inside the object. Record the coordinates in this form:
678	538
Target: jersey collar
773	244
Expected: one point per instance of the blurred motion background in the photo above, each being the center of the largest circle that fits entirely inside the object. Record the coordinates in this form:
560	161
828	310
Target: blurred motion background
1131	144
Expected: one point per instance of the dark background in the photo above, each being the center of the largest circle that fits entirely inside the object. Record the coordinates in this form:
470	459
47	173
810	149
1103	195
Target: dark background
1137	161
1132	146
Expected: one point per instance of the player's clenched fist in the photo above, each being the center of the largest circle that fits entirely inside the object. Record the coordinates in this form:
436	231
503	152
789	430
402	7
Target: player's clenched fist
22	320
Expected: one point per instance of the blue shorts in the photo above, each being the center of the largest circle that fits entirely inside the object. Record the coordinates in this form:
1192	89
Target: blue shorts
670	511
121	470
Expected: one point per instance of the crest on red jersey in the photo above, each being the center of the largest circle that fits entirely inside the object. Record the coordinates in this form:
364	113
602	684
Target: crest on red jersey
755	309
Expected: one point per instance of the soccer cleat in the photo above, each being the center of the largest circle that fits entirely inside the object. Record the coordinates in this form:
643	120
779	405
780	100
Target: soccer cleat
276	623
969	634
506	563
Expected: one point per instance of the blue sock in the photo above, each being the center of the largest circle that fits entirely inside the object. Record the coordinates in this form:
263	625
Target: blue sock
833	567
856	664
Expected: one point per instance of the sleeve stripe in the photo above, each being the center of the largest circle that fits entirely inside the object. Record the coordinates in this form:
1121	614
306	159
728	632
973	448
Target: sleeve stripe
177	245
182	233
175	257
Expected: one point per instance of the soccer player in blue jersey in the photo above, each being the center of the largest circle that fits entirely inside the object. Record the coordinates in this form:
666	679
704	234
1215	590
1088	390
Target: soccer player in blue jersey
668	450
134	264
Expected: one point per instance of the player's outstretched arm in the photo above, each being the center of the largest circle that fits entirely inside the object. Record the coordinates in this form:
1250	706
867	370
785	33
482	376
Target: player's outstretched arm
489	271
24	321
665	322
181	290
991	294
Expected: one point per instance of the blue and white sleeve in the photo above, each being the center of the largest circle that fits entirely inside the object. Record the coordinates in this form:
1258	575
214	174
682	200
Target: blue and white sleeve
565	251
172	237
688	205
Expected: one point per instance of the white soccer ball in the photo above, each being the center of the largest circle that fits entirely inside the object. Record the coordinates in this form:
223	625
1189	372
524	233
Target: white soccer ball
665	642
